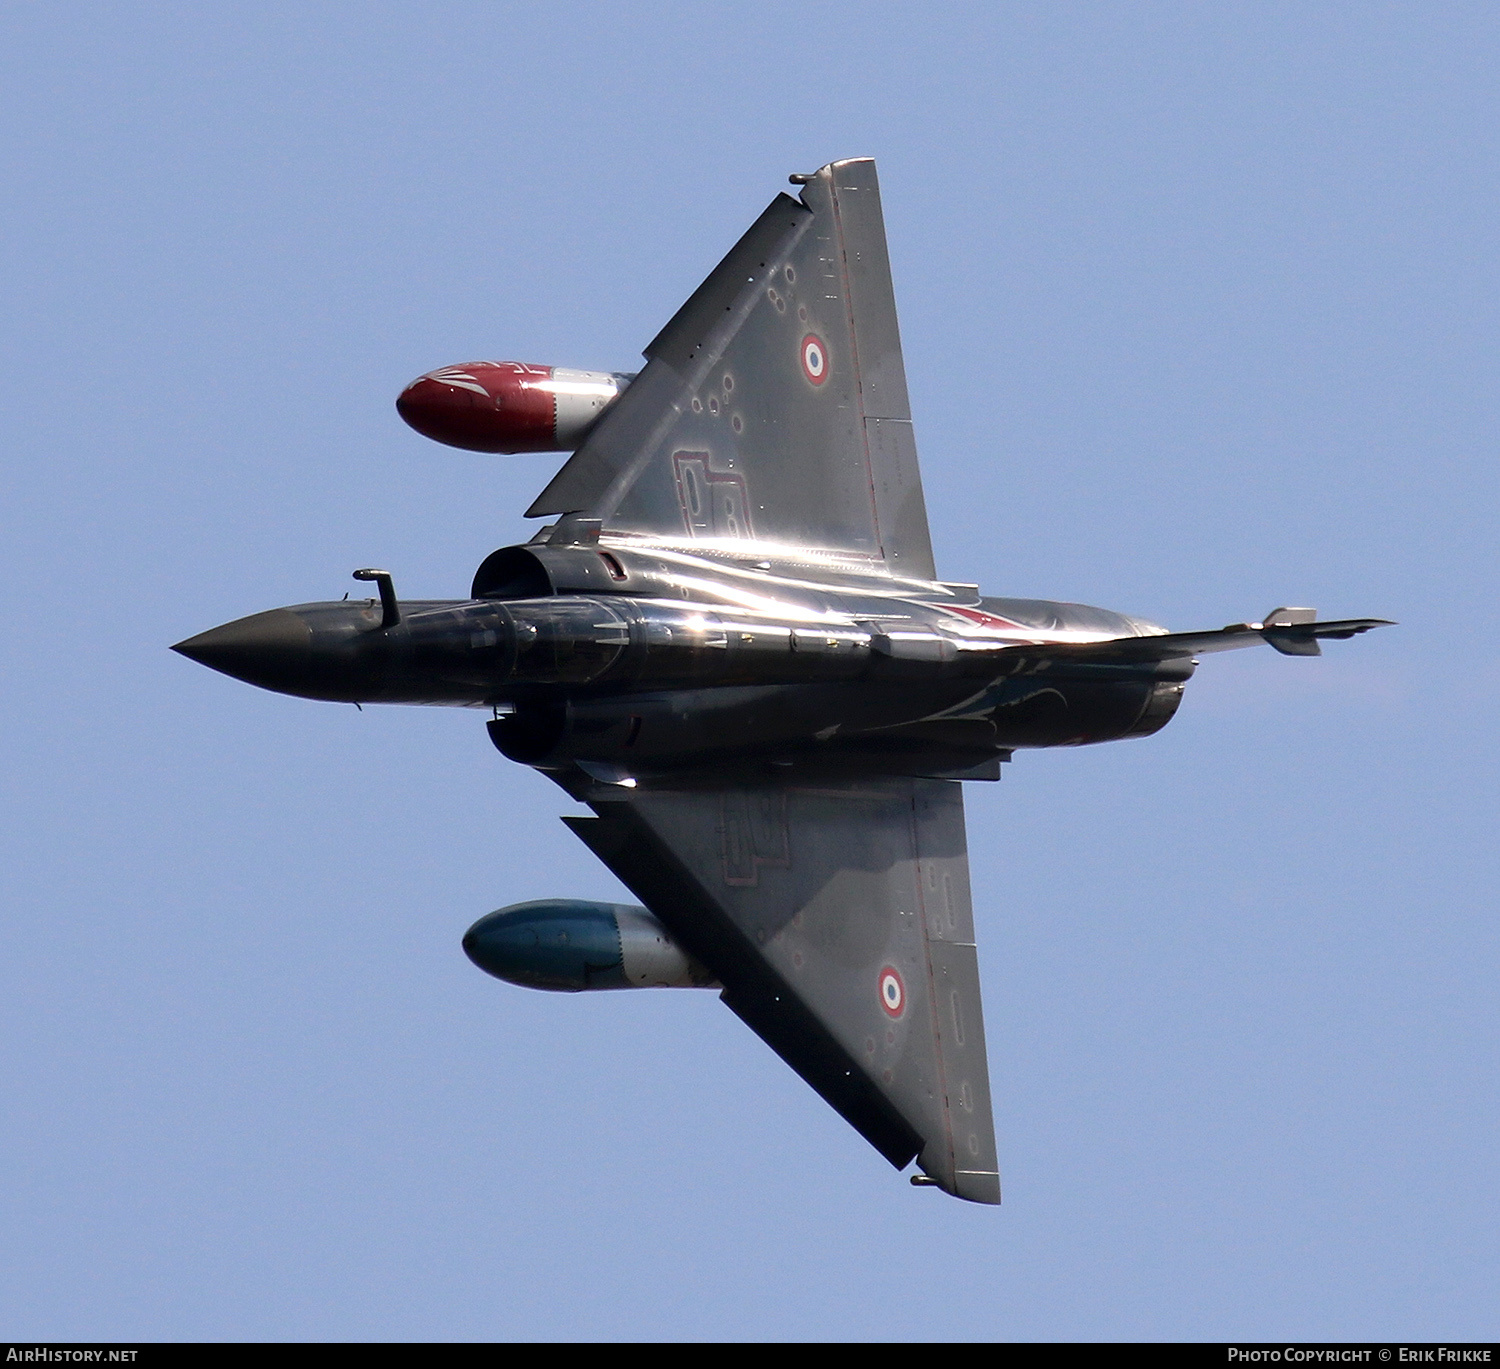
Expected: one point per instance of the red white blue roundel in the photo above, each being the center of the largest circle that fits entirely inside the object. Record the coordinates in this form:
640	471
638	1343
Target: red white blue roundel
814	359
892	992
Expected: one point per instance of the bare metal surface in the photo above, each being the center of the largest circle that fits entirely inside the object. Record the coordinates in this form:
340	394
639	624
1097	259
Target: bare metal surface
843	890
731	644
773	407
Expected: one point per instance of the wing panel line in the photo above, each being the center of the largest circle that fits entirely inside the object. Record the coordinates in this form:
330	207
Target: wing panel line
859	380
951	1155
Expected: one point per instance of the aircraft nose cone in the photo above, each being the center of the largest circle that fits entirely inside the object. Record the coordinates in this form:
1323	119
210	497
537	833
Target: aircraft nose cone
263	649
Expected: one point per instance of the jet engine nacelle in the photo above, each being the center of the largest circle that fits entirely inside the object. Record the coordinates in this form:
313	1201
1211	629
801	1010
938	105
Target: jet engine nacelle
509	406
570	945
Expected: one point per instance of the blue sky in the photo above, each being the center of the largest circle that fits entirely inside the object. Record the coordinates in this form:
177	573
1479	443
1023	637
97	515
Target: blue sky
1199	308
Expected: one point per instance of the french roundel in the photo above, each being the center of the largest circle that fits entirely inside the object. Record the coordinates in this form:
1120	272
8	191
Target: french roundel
892	992
814	359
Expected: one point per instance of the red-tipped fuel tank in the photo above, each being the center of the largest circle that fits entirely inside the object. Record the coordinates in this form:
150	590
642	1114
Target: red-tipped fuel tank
509	406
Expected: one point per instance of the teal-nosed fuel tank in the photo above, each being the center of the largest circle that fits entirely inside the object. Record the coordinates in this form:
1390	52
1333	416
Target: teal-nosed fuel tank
571	945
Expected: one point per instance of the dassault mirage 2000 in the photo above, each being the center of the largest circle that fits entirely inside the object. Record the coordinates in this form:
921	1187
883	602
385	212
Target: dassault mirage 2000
732	645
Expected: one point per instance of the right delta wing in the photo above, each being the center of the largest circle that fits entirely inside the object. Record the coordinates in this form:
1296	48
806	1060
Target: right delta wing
772	411
838	919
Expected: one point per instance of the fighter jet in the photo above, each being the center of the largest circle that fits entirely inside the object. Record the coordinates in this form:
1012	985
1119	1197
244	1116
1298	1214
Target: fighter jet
731	644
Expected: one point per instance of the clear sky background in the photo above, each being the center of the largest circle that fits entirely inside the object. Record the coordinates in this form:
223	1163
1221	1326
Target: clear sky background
1199	308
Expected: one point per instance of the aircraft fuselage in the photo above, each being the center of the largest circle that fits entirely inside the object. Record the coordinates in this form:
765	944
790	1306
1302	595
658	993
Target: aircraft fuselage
634	661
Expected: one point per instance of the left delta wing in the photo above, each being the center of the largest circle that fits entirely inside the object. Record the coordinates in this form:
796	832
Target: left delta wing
839	921
772	411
